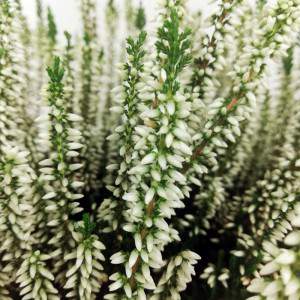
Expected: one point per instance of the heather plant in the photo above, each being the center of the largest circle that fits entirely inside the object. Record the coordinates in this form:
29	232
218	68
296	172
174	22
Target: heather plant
159	161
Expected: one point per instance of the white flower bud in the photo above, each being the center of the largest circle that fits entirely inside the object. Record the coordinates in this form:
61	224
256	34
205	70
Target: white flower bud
148	159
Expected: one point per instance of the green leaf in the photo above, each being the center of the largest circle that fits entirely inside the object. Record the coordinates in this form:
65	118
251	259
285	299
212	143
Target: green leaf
56	72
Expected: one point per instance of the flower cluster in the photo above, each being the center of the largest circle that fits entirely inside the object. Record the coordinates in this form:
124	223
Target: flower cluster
36	281
160	149
279	273
178	273
57	172
15	194
85	275
126	105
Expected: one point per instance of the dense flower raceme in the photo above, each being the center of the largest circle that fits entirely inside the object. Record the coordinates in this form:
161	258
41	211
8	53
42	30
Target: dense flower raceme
85	275
87	98
35	279
179	270
163	165
153	198
128	97
16	193
278	276
58	171
269	203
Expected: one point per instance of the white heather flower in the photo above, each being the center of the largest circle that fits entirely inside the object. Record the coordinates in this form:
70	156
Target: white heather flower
292	239
149	195
117	258
74	117
286	257
34	267
148	159
252	99
132	197
49	195
132	258
269	268
163	75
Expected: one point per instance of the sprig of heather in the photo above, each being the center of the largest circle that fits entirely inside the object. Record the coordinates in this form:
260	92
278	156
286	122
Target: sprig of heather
269	202
111	79
12	101
89	93
156	182
213	49
219	178
274	133
87	69
85	274
22	53
272	197
237	158
16	218
240	32
35	279
223	123
278	274
58	170
127	106
4	283
178	272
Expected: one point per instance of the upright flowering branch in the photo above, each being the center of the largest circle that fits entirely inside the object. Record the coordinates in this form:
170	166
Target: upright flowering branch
11	69
36	281
213	49
87	104
111	79
246	76
16	216
21	41
118	181
89	91
156	182
238	33
85	274
279	129
58	171
178	273
278	275
15	173
274	196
